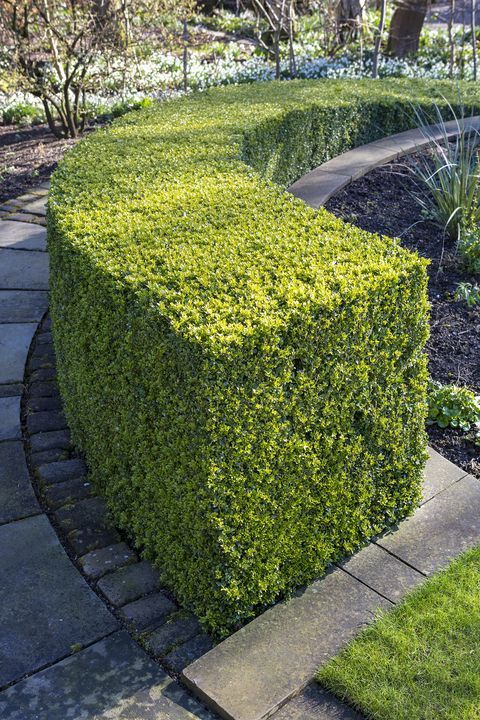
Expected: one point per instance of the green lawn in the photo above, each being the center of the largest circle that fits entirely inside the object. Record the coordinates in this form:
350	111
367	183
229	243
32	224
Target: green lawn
422	660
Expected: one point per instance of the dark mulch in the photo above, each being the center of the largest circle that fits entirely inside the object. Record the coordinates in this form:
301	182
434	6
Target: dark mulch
382	202
27	157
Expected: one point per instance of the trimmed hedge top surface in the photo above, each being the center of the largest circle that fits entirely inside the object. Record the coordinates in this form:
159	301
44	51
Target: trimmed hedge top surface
245	374
161	201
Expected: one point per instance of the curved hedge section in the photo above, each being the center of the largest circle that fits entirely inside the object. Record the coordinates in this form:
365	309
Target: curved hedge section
245	375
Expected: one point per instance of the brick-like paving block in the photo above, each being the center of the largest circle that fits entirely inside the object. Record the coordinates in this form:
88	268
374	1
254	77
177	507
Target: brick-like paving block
382	572
24	236
129	583
10	428
60	471
188	652
440	530
68	491
147	612
88	513
439	474
23	270
22	305
97	563
15	339
178	629
53	439
42	389
254	671
46	604
113	679
313	703
90	538
17	498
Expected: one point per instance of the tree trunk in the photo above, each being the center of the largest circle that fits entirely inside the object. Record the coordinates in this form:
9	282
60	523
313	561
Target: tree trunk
378	38
406	26
348	19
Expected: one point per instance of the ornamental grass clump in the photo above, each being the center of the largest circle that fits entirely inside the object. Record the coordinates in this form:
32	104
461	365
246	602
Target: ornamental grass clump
450	175
245	375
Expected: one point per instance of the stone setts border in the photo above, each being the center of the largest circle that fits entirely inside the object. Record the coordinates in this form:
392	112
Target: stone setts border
255	672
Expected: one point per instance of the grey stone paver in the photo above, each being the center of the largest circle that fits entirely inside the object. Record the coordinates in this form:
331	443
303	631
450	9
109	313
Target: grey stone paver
46	605
179	628
313	703
17	499
382	572
21	306
23	270
317	187
147	612
110	680
10	428
99	562
440	530
11	389
439	474
355	163
129	583
15	339
36	207
23	236
255	670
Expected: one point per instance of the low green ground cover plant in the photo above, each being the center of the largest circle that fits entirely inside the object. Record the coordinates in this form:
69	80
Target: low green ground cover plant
456	407
245	375
469	293
451	176
422	659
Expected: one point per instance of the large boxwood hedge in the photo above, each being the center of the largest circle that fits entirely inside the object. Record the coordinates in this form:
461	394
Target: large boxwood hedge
245	375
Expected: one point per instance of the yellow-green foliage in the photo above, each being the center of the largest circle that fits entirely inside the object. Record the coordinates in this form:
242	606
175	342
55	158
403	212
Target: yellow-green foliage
244	374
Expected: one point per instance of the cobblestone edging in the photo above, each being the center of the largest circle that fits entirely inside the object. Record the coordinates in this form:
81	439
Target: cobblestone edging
130	586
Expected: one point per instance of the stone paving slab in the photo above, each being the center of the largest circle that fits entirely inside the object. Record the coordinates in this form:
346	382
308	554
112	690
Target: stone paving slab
316	704
15	339
110	680
21	306
11	389
22	236
46	605
36	207
382	572
257	669
10	428
440	530
23	270
17	499
439	474
317	187
356	162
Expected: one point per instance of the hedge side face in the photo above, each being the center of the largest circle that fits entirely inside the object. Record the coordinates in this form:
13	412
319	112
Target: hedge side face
245	375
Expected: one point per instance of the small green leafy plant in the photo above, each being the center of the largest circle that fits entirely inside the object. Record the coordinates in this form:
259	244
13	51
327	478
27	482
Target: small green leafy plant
452	406
451	179
469	293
